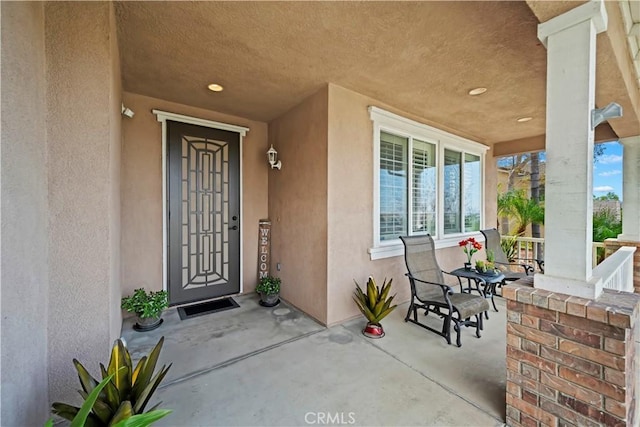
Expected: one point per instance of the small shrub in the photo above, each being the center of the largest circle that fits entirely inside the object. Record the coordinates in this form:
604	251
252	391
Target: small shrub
144	304
269	285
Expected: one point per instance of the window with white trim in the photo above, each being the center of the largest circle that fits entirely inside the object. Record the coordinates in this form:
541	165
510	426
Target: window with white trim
426	181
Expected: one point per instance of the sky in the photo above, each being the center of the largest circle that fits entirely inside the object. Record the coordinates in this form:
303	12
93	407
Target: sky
607	171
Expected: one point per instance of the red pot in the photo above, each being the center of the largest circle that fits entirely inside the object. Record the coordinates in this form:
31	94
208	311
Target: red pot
373	331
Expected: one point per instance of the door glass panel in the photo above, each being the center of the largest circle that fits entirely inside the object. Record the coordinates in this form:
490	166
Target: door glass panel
205	239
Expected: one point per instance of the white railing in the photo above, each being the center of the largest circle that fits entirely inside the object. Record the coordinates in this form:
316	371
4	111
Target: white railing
528	247
616	271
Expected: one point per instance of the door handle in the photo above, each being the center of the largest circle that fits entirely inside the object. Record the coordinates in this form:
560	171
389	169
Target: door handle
235	227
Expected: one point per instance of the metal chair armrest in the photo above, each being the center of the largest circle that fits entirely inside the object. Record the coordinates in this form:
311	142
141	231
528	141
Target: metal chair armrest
530	266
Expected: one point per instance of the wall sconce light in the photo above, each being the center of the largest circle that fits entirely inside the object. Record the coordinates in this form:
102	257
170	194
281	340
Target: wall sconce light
599	115
127	112
272	155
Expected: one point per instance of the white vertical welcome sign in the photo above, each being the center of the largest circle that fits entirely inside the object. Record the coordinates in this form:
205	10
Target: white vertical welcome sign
264	247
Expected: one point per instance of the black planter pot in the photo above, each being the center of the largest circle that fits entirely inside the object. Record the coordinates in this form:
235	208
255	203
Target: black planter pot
269	300
147	323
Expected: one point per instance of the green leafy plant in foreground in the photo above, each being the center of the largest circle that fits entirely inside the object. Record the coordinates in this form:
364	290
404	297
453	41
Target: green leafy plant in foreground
140	420
124	391
376	303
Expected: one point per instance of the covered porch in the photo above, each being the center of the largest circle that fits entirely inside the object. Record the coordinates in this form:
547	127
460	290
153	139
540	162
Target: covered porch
348	93
256	366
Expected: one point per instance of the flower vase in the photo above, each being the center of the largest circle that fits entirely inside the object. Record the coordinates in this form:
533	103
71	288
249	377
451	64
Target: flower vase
467	266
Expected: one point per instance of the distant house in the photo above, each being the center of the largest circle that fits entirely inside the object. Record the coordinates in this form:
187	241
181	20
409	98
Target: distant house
613	206
522	180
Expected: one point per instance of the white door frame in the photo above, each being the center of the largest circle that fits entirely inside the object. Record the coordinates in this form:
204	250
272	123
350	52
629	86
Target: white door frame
163	116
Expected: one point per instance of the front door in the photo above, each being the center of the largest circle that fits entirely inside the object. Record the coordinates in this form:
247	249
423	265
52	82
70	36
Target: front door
203	211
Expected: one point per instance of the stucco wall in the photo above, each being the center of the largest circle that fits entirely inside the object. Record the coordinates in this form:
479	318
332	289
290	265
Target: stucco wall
350	206
142	190
24	217
298	204
115	165
83	150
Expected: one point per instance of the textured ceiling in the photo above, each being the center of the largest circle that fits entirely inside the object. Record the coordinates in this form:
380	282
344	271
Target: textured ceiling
421	58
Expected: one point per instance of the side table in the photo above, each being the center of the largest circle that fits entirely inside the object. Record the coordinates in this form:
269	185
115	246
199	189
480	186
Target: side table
487	282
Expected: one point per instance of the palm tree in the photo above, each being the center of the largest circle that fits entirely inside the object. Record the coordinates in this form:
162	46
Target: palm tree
522	210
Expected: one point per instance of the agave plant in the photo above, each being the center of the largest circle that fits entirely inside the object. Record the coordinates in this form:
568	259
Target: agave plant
510	247
374	304
125	395
140	420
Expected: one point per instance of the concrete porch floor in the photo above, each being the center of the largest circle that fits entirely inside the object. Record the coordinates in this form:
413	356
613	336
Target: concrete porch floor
256	366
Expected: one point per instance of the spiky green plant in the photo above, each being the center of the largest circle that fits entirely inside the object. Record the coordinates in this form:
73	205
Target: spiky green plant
140	420
125	395
374	304
510	247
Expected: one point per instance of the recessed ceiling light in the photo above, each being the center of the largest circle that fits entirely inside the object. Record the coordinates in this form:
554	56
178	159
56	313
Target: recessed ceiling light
477	91
523	119
215	87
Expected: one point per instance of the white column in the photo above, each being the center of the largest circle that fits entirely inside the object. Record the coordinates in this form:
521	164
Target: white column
570	39
631	189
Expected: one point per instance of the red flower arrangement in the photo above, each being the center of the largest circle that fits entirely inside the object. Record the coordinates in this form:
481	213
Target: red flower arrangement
470	246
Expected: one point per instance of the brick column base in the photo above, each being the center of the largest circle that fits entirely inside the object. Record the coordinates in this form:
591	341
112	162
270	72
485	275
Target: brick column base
612	245
570	360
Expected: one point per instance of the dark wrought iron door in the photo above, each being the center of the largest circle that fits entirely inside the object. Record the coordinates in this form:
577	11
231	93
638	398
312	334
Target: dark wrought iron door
203	201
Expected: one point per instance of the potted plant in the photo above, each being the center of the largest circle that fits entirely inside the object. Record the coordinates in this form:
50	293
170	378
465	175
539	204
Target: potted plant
491	257
486	267
469	246
375	305
481	267
269	290
491	261
147	307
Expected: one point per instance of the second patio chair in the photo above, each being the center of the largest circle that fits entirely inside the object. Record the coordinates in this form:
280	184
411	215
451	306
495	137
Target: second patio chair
429	291
526	266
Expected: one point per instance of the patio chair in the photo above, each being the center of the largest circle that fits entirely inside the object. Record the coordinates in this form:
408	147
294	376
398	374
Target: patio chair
492	243
429	291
